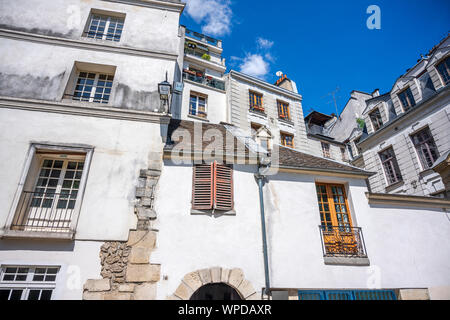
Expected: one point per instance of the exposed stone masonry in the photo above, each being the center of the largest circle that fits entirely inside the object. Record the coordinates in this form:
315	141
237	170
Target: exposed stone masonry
126	269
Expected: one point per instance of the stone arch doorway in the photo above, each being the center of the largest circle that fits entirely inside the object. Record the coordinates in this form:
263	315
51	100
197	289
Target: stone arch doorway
215	283
216	292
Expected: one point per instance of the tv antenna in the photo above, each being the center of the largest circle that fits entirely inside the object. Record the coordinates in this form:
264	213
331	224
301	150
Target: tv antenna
334	98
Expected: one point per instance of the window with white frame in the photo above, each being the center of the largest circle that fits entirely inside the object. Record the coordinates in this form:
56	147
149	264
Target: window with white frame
50	204
27	282
105	27
198	105
444	70
407	99
93	87
390	166
50	192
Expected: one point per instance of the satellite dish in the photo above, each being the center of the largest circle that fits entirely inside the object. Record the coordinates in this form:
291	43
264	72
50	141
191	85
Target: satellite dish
279	73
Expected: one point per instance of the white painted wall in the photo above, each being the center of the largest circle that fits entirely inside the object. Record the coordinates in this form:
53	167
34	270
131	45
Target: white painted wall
121	150
406	245
216	102
78	262
146	28
188	243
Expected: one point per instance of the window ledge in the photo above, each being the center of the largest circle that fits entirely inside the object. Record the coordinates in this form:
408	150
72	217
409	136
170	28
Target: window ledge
258	113
14	234
197	118
346	261
215	213
394	186
286	122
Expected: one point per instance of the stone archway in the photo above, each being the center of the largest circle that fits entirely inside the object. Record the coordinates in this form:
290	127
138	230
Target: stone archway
231	277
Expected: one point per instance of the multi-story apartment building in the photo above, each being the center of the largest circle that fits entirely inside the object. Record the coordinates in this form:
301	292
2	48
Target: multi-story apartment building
402	133
81	115
113	193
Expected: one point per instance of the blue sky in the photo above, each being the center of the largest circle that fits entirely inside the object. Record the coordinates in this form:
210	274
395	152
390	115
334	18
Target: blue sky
322	45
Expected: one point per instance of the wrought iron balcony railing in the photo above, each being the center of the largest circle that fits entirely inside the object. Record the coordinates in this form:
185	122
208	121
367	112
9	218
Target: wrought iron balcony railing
342	241
203	38
44	212
209	81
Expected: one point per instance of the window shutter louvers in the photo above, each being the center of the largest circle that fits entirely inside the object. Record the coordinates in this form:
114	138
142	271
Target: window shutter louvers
202	191
223	187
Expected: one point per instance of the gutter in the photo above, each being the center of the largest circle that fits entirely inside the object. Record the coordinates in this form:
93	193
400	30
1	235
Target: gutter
260	178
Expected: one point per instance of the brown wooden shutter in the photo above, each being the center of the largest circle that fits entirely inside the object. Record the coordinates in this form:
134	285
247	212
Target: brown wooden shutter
202	187
223	187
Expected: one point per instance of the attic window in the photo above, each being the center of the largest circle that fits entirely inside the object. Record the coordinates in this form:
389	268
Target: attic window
407	99
375	118
444	70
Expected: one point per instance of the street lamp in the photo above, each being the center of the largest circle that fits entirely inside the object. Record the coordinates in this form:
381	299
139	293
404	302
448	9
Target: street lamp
165	89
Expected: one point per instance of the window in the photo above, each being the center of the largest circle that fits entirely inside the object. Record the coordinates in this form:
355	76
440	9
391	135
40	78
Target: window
339	236
93	87
444	70
407	99
49	195
283	110
425	147
390	165
212	187
256	101
51	203
287	139
104	27
27	283
326	150
344	154
375	118
197	105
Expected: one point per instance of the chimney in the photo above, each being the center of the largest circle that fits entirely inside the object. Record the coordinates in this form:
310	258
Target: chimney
286	83
376	93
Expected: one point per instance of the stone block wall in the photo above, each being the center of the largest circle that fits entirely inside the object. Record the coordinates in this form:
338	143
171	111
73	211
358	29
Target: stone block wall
127	273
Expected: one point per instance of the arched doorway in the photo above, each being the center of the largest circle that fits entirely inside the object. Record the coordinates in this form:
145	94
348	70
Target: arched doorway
216	292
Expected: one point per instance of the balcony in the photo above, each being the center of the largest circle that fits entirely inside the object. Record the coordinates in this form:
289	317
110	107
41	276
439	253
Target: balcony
44	213
203	38
346	242
204	80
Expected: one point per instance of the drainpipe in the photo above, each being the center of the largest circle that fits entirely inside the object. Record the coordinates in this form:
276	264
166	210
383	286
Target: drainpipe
260	178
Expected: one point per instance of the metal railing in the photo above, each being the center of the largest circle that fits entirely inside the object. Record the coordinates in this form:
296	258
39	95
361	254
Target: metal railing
203	38
342	241
44	212
211	82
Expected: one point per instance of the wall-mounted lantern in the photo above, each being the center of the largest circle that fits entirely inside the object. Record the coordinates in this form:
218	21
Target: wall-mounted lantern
165	89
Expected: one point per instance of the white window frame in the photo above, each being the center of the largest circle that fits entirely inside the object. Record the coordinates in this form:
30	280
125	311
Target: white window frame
28	284
108	16
198	95
94	87
62	149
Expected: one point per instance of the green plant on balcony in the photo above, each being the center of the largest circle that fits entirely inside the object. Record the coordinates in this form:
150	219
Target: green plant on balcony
206	57
361	123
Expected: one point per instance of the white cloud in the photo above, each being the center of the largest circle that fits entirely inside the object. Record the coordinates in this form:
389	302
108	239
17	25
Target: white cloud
215	15
264	43
255	65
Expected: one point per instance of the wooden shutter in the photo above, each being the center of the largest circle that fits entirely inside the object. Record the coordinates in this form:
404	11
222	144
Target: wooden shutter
223	187
202	187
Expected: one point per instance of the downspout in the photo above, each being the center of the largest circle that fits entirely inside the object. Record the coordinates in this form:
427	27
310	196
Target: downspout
260	178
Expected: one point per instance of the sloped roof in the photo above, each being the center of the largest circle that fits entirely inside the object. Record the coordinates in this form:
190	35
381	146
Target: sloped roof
295	159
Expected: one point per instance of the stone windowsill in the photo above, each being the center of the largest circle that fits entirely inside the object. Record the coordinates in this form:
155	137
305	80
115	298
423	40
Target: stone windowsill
286	122
15	234
213	213
394	186
346	261
197	118
258	113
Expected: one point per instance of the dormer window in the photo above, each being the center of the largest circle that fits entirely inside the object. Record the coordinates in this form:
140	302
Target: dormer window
375	118
407	99
444	70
